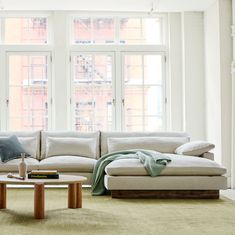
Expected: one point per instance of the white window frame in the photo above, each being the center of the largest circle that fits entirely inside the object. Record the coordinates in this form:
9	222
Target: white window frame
72	88
49	87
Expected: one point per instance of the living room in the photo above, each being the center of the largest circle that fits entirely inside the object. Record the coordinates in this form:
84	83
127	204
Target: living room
117	117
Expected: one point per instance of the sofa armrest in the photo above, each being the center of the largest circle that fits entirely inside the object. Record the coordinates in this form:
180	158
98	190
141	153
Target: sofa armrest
208	155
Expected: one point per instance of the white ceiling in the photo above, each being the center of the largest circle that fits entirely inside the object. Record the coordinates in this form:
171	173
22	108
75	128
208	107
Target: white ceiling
107	5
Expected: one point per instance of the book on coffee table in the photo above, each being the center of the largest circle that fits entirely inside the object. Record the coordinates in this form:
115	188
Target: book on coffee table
43	174
33	176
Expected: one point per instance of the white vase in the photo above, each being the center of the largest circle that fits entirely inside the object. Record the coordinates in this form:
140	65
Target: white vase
22	167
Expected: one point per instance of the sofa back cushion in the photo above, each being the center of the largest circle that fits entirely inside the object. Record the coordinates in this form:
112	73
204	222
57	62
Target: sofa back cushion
68	134
84	147
179	137
30	141
160	144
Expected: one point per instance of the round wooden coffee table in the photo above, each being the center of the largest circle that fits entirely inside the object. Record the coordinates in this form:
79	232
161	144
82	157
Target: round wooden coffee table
74	191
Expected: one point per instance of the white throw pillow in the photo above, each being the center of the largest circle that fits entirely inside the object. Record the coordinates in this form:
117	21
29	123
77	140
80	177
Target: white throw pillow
85	147
160	144
194	148
29	144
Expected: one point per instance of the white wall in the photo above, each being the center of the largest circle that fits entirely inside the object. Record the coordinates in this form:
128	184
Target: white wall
233	100
193	74
225	7
175	72
218	54
213	94
187	75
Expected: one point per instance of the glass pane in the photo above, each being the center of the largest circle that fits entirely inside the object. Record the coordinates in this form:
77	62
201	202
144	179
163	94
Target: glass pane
82	30
153	123
28	77
93	92
153	100
104	31
18	123
143	91
32	70
26	30
140	31
133	100
28	123
94	30
133	69
134	123
153	69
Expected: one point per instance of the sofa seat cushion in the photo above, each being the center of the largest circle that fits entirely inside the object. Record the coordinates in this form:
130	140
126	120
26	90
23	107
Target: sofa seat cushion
12	165
179	165
68	164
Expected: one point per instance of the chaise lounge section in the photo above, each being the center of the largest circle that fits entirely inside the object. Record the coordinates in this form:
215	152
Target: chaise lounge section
185	177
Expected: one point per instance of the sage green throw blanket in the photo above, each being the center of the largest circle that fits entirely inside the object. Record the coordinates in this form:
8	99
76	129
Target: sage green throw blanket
154	162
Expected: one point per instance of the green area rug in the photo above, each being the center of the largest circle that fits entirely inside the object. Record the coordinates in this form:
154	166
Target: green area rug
104	215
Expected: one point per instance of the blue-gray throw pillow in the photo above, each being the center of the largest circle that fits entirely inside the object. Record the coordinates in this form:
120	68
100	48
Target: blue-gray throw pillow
11	148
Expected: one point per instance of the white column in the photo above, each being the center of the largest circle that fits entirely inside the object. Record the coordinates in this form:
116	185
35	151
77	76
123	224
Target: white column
218	47
193	74
175	72
233	100
213	79
61	71
225	14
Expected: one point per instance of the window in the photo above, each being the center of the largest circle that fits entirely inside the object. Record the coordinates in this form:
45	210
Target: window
27	30
114	79
28	76
121	84
142	30
143	92
94	30
92	84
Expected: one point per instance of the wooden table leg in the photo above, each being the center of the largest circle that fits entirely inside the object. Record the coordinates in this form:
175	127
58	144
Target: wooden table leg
72	196
79	195
39	201
3	198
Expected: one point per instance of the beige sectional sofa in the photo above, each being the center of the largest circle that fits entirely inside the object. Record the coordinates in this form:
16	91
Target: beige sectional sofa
77	153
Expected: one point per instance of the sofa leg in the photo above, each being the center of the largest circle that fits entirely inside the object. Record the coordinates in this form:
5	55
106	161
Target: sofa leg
166	194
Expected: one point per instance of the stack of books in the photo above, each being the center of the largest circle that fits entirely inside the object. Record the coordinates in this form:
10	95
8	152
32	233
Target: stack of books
43	174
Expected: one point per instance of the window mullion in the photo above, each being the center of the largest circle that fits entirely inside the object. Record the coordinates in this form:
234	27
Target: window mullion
92	91
92	30
120	108
143	96
117	30
2	29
